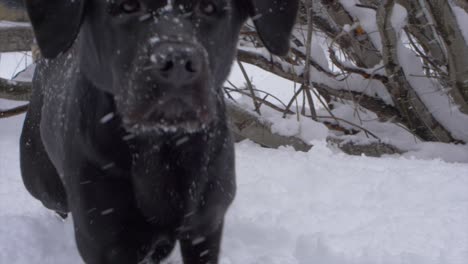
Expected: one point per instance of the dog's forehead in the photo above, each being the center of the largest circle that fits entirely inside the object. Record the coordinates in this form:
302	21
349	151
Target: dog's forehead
175	2
188	3
171	3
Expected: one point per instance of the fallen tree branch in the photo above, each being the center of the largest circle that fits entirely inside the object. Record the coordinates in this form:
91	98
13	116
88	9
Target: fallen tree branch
414	112
373	149
376	105
421	27
384	111
365	73
14	111
263	63
16	91
16	38
356	43
457	48
462	4
261	101
245	124
13	10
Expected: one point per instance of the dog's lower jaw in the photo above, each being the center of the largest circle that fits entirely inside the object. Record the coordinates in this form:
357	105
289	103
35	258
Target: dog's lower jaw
190	122
163	128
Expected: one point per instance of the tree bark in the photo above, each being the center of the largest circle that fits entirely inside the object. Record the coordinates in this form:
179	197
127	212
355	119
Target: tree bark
245	124
407	101
355	43
457	50
16	38
420	26
13	10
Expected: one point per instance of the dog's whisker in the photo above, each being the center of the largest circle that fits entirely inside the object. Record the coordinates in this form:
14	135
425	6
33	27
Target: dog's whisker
148	68
198	240
107	211
187	14
107	118
108	166
145	17
204	253
128	137
85	182
182	141
189	214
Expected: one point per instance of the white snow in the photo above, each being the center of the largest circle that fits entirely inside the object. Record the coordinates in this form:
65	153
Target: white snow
13	62
291	207
399	17
462	18
280	87
8	24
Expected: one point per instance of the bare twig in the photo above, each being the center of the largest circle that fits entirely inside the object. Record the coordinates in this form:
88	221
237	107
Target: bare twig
14	111
250	86
306	80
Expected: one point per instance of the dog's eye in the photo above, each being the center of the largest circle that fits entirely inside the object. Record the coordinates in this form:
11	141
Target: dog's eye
208	8
130	6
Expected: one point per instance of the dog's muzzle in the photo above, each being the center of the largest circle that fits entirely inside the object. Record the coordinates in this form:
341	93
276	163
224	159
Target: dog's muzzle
175	92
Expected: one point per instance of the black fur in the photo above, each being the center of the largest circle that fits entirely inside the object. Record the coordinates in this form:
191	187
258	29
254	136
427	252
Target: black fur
127	129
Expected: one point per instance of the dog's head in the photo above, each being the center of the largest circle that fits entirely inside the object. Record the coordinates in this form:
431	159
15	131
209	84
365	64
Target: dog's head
164	61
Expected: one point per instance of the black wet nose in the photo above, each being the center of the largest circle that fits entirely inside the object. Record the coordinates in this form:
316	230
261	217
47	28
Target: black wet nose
177	63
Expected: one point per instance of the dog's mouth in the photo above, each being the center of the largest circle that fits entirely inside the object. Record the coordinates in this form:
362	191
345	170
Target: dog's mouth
173	115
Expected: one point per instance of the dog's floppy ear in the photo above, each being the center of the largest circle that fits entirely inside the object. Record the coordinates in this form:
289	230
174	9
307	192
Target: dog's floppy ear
274	20
56	24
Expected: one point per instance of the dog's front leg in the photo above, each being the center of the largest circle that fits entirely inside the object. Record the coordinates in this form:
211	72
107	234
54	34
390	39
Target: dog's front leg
202	243
202	249
108	228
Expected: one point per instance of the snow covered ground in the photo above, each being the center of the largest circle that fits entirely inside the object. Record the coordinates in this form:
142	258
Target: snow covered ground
292	208
320	207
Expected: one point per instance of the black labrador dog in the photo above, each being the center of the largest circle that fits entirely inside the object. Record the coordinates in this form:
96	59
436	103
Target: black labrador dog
127	127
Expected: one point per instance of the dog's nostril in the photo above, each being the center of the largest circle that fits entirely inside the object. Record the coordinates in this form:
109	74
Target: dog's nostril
189	67
167	66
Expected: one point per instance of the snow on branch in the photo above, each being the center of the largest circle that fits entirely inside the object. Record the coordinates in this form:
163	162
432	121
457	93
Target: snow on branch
452	33
14	90
405	73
